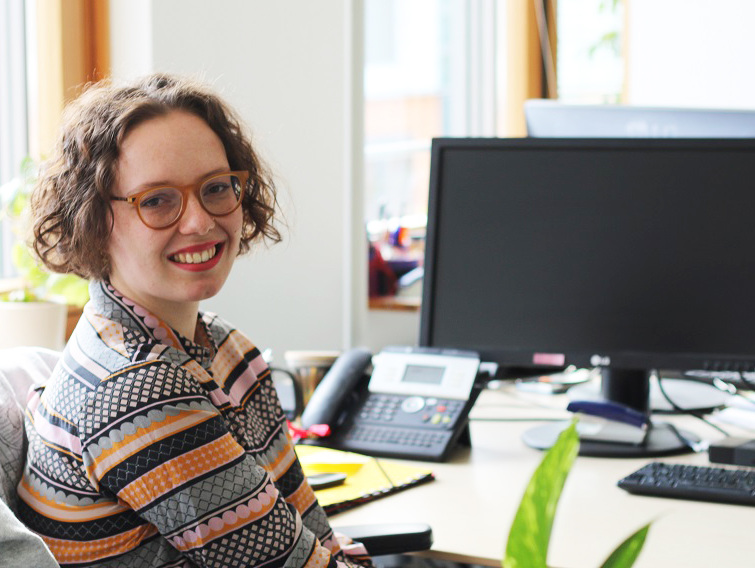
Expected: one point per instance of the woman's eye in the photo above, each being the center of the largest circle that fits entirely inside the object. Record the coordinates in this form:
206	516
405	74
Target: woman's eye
216	188
152	202
161	199
148	203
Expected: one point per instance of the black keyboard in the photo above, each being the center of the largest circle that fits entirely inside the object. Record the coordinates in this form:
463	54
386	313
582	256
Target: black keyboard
701	483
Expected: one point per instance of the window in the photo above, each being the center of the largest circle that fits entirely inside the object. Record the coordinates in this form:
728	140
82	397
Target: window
430	70
48	50
590	58
13	124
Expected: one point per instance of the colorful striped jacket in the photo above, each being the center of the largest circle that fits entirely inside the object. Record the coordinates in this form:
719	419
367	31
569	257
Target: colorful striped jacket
146	449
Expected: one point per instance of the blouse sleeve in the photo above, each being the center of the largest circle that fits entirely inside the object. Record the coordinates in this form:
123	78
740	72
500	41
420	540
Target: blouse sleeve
152	439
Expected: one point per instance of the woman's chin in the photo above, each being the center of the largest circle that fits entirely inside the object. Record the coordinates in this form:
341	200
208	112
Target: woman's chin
201	293
203	286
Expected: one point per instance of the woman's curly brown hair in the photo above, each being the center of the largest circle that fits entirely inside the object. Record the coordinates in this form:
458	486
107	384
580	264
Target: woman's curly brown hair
71	201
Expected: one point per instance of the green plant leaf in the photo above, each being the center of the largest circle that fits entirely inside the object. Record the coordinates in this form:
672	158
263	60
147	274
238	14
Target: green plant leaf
15	194
38	282
29	168
28	267
627	552
529	537
8	193
18	205
20	295
68	287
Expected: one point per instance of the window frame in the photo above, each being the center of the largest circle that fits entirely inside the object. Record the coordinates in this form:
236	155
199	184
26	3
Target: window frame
65	45
14	141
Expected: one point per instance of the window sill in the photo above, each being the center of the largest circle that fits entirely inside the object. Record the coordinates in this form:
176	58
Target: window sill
74	313
395	303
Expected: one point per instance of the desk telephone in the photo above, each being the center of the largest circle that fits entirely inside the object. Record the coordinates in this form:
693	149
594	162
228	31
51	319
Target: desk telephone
415	405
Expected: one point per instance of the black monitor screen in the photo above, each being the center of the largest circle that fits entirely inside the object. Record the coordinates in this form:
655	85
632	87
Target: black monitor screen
631	254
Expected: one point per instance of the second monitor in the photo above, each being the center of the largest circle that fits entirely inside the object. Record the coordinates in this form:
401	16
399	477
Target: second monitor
555	119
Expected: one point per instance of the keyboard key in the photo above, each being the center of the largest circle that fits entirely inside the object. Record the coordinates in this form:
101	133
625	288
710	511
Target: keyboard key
702	483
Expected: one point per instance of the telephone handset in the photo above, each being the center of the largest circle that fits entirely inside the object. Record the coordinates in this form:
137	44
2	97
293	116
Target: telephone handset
414	405
336	388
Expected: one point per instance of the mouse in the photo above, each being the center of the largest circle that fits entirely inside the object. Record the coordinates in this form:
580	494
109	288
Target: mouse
325	480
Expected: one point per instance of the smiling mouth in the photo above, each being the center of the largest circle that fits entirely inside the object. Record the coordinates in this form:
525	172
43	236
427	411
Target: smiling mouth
196	257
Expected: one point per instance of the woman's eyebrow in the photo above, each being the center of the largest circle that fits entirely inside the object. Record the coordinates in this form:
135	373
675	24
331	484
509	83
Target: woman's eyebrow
165	183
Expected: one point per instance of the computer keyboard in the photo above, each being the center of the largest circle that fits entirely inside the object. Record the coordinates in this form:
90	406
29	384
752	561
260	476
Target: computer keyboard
702	483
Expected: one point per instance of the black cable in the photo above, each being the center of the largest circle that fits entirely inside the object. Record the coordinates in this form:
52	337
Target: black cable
749	383
691	444
679	409
748	399
473	419
733	389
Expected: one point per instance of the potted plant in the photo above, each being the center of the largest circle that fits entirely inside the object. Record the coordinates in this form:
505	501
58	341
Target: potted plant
529	536
37	307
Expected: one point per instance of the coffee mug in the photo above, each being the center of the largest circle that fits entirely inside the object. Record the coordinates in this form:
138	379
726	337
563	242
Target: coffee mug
308	369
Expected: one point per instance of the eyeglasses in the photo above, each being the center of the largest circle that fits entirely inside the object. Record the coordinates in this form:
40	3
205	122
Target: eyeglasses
163	207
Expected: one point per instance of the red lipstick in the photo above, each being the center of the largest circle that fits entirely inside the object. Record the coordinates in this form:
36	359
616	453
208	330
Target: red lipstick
198	258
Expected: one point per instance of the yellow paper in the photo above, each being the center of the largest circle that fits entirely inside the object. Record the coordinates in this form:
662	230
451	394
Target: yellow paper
330	461
377	477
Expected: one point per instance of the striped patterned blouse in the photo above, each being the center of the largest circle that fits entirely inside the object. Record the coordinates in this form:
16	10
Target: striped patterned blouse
146	449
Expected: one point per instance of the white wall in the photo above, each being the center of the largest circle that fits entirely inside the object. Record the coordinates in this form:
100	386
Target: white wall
281	65
130	38
692	53
290	69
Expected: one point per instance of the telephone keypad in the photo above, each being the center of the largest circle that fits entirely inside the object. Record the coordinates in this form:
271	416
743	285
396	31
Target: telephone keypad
413	404
410	411
386	424
379	425
400	436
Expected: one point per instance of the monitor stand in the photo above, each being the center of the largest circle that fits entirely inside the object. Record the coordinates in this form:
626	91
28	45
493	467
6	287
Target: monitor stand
662	440
688	394
631	388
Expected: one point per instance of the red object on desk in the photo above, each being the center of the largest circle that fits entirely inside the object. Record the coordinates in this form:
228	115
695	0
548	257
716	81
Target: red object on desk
314	431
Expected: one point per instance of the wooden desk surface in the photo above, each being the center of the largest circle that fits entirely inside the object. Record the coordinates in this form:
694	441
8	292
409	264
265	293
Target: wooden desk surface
472	502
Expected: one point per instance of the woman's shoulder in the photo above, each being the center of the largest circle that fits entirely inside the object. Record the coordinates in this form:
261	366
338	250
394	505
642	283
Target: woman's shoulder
216	323
225	334
141	389
125	362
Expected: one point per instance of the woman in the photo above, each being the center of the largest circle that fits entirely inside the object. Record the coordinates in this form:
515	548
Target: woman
159	440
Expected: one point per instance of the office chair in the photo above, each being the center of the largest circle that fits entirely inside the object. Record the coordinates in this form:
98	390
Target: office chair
23	367
19	369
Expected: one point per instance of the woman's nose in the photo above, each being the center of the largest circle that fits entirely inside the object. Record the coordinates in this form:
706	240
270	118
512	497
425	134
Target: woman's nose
195	219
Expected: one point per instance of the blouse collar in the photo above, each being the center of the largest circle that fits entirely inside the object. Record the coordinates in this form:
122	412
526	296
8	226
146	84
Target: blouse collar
142	327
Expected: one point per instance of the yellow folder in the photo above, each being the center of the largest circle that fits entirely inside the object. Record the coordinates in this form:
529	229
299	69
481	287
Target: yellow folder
368	478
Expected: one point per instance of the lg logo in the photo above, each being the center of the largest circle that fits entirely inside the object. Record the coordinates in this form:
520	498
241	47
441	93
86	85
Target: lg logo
600	361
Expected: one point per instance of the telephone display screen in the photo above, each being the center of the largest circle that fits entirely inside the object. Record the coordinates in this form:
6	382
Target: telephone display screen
423	374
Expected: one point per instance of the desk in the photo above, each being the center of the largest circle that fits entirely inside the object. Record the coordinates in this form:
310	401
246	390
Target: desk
472	502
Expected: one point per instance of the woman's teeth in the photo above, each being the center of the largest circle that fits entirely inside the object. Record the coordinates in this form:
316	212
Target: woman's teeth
195	257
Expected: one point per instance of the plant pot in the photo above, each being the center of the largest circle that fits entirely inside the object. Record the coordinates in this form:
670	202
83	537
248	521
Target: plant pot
41	324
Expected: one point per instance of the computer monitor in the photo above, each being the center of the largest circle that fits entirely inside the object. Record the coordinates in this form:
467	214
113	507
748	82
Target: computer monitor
547	118
629	255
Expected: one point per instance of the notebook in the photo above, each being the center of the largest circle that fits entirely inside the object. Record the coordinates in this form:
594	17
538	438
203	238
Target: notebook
369	478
